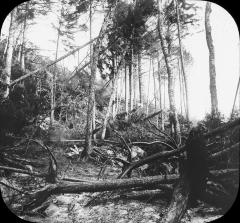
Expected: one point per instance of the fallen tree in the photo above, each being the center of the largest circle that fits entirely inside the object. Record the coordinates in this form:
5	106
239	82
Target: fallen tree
181	192
79	186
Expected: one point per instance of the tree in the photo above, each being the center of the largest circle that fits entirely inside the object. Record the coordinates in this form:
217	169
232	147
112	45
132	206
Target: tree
212	70
160	91
26	13
9	53
141	86
181	59
96	50
66	26
171	94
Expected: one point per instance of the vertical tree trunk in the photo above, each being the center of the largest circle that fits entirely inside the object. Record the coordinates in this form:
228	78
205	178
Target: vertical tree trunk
22	55
115	86
126	89
109	107
171	94
121	92
88	137
141	87
53	85
134	81
9	54
160	93
212	70
116	99
182	63
130	82
154	91
180	87
113	95
148	84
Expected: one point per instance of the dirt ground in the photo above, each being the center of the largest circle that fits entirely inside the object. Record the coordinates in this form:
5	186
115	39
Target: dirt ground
108	207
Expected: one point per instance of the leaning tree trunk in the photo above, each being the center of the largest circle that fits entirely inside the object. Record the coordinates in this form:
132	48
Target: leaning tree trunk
212	70
88	137
181	59
173	114
9	54
179	202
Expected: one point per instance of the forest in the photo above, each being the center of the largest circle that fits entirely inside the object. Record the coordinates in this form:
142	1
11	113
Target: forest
99	125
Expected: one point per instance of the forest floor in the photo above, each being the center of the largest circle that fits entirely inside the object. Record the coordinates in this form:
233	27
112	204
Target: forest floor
110	207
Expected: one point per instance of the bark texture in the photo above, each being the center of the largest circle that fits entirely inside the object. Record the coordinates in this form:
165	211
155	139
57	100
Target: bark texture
9	54
171	94
212	69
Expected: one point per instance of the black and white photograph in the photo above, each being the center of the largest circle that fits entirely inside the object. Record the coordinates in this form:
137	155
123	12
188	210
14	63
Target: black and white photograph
119	111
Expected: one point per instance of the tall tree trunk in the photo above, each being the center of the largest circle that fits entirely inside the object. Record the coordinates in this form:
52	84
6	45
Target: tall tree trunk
126	89
182	62
115	90
19	45
171	94
160	93
22	55
154	91
115	106
119	93
130	82
148	84
212	70
88	142
109	108
113	95
134	81
141	87
53	86
9	54
180	88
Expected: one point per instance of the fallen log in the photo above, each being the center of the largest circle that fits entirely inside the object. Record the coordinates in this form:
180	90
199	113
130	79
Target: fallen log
223	128
218	200
161	156
223	173
51	63
179	202
165	155
85	185
40	196
224	152
16	170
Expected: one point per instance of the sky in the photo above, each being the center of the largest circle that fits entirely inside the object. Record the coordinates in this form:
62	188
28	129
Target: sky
226	42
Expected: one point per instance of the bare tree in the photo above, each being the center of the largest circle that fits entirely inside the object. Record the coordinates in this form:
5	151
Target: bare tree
150	62
171	94
141	87
9	53
126	90
212	70
181	60
91	99
160	92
